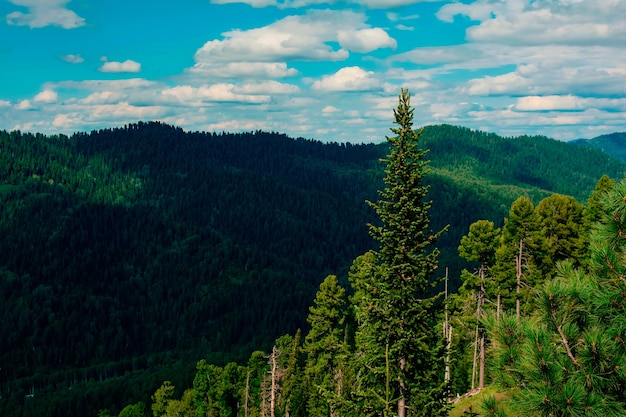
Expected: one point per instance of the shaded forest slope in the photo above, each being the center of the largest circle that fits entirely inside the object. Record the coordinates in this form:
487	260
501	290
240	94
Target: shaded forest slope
127	249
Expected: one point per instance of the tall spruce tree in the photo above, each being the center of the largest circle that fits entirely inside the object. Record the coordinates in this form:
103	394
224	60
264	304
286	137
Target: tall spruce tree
398	342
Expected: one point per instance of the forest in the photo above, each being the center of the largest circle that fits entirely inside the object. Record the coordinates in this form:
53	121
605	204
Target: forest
146	270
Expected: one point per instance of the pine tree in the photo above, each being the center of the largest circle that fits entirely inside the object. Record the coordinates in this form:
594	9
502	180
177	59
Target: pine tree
562	227
569	357
398	344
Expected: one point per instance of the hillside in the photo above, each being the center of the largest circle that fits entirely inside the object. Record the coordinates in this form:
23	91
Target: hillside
614	144
129	254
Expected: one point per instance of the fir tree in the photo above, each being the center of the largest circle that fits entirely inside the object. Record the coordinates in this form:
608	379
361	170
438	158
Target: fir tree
324	345
398	343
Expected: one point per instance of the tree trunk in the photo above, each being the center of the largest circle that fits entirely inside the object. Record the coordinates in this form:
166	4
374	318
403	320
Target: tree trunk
481	359
402	400
273	389
518	267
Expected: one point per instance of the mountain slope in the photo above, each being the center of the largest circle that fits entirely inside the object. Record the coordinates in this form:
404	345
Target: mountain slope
614	144
128	254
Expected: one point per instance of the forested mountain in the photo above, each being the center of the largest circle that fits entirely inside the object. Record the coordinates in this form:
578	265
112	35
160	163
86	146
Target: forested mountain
613	144
129	254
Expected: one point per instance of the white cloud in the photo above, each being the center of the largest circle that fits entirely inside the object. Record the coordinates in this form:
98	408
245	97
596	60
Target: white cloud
212	93
107	85
103	97
396	17
385	4
24	105
266	87
126	66
46	96
256	70
43	13
568	103
348	79
330	109
303	37
125	111
236	126
73	59
366	40
520	22
64	121
405	28
509	83
283	4
438	54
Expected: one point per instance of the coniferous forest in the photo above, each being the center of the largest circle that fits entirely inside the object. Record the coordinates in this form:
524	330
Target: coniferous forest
146	270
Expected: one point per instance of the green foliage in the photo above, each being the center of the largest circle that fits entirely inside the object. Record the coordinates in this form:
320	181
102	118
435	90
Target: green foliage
134	410
98	226
518	255
568	359
562	227
398	347
326	349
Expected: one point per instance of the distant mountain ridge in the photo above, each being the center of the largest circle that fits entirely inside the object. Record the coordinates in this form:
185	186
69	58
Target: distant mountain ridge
130	250
613	144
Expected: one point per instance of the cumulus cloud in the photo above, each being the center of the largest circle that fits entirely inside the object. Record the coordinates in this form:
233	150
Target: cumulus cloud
568	103
43	13
267	87
104	97
520	22
46	96
366	40
73	59
123	112
222	92
256	70
348	79
304	37
126	66
509	83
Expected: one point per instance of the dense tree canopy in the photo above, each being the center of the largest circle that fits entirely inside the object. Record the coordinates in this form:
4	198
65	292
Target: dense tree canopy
128	253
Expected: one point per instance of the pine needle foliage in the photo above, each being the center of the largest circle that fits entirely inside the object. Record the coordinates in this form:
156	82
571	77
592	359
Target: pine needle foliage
399	346
570	356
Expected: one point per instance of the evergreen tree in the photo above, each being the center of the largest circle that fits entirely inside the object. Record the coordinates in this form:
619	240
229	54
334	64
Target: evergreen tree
569	358
480	245
398	342
324	345
562	228
516	267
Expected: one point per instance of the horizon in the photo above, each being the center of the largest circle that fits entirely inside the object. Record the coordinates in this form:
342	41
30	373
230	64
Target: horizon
323	70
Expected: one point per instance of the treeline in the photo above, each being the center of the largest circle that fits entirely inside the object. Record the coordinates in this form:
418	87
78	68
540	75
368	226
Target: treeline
139	250
288	378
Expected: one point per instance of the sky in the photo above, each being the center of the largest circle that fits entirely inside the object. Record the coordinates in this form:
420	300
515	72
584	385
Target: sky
329	70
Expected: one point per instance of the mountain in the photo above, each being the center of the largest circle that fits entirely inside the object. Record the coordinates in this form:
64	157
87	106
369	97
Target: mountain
614	144
129	254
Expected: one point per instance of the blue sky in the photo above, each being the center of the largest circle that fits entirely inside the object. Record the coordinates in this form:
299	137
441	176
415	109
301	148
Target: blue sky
323	69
